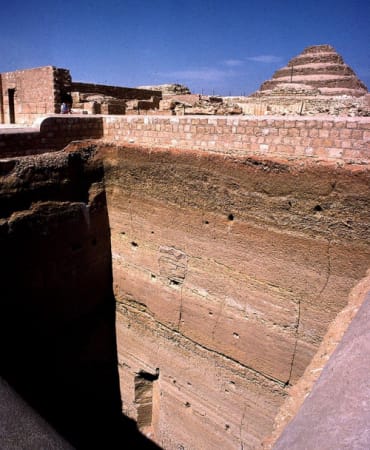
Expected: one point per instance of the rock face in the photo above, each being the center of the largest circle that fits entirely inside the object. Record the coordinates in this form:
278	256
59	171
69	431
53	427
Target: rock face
57	329
227	274
330	409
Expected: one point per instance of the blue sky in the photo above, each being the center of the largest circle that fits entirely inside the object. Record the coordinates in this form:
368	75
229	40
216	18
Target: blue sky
221	47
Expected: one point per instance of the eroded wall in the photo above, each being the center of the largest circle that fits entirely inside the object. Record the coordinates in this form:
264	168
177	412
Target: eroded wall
57	321
227	273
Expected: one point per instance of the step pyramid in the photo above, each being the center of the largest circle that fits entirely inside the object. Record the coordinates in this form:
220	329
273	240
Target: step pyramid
319	70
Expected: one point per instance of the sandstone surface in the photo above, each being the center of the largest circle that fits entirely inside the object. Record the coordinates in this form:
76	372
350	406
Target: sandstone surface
227	274
57	327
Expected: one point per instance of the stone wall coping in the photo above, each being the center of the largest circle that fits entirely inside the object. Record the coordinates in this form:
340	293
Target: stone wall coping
345	139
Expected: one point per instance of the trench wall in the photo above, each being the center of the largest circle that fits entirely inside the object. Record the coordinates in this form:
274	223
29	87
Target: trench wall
57	322
227	273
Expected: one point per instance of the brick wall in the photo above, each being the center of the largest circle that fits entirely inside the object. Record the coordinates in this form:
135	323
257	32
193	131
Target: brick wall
343	139
34	94
324	138
53	133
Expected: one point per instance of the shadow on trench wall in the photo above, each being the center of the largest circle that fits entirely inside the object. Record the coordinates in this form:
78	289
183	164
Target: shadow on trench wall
57	323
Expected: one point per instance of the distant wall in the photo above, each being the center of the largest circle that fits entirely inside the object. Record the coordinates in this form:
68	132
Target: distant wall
115	91
306	105
27	95
323	138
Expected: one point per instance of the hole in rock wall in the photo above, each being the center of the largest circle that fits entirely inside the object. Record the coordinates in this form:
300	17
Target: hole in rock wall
145	384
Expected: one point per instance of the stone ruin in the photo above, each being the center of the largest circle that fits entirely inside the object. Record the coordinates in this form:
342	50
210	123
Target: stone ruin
178	100
168	89
315	82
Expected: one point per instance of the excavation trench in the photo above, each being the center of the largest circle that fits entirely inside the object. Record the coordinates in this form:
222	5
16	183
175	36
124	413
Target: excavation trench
189	291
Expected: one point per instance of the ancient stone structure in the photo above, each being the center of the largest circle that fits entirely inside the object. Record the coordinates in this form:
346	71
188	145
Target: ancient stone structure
168	89
199	263
318	68
191	104
27	95
316	81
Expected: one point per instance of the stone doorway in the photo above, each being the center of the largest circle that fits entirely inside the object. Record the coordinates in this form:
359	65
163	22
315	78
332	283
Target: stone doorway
11	95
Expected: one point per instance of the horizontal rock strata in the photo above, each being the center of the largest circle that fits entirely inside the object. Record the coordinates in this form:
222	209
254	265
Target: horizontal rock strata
57	330
227	271
227	274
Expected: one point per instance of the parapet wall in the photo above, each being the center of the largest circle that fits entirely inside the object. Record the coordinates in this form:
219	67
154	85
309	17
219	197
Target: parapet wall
53	133
346	139
325	139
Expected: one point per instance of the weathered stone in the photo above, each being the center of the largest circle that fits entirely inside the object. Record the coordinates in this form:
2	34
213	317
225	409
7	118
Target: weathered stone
168	89
315	82
321	68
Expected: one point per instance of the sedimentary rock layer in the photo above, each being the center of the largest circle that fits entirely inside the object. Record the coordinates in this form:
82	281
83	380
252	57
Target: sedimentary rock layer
227	273
57	330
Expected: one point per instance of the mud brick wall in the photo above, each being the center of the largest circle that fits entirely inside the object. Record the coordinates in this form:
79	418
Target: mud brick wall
345	139
36	93
115	91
